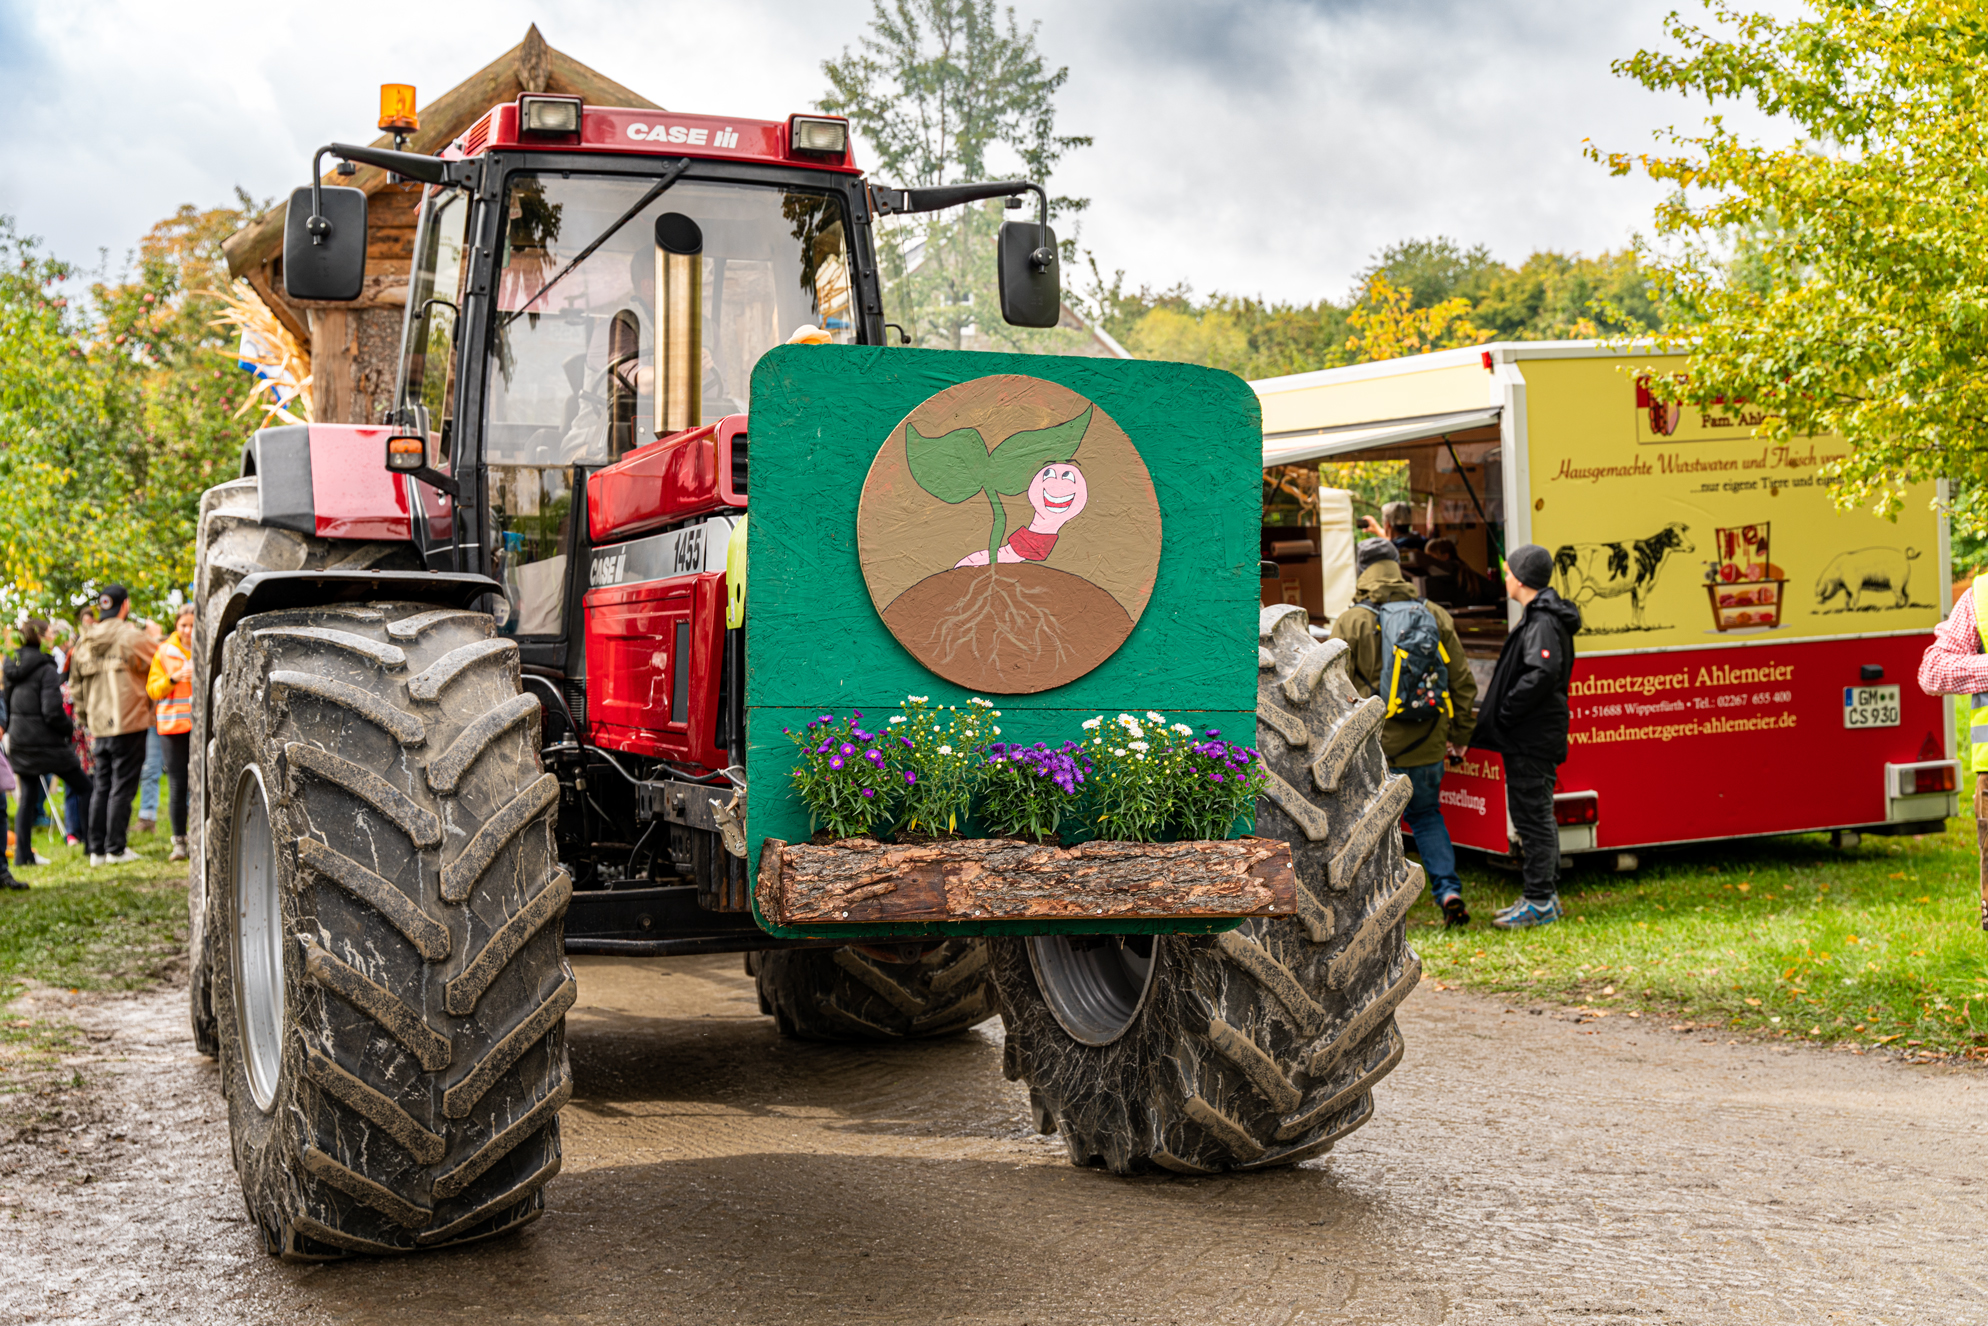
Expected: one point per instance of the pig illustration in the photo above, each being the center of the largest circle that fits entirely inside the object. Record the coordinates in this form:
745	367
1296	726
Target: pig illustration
1867	578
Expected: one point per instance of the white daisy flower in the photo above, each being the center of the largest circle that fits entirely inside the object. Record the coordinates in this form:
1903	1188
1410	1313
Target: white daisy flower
1152	717
945	750
1141	747
1091	724
1183	729
896	719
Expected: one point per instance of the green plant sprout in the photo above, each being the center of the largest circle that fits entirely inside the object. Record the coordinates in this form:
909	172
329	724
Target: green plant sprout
957	466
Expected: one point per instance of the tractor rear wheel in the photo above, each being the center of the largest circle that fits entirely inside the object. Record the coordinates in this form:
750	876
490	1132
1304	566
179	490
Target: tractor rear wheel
389	975
1259	1047
855	994
233	544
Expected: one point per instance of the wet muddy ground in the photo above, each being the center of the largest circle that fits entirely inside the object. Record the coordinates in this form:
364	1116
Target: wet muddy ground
1520	1168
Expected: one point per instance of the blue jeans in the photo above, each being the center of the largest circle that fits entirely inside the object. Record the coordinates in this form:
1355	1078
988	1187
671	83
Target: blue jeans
1432	836
149	776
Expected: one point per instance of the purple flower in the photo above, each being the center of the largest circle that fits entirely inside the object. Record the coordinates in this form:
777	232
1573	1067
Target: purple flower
874	756
822	749
788	731
869	791
835	761
1217	777
848	749
910	777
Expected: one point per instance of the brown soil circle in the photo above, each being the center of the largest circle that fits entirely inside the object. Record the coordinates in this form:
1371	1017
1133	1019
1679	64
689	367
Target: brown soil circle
1014	628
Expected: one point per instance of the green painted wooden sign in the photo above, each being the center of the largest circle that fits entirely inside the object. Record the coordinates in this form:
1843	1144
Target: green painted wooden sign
1066	537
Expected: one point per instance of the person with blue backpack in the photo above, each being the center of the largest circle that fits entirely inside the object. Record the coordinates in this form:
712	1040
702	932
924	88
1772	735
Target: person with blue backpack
1407	653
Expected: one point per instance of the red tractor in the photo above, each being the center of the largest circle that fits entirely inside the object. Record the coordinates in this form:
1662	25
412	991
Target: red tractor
472	700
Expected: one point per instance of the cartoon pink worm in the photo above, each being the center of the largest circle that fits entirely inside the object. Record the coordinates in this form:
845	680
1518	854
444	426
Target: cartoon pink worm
1057	493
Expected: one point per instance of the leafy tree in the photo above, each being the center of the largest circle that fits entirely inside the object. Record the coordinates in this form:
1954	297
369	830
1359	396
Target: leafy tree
936	89
1554	296
114	415
1839	282
1432	271
1387	325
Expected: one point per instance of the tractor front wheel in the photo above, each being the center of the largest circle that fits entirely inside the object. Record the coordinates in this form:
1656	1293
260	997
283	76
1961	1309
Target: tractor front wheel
389	974
1259	1047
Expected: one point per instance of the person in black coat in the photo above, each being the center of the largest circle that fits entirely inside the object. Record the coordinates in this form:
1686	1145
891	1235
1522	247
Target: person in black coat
39	734
1524	717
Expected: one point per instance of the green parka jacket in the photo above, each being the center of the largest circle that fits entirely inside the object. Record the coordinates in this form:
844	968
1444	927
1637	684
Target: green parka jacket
1407	745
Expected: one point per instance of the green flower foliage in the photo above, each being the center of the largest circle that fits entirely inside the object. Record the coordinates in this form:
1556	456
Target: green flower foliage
844	776
1838	282
939	748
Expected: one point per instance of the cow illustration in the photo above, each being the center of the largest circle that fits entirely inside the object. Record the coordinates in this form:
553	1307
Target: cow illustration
1865	574
1590	571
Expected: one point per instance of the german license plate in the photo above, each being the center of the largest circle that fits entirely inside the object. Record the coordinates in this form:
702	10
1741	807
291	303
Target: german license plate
1870	706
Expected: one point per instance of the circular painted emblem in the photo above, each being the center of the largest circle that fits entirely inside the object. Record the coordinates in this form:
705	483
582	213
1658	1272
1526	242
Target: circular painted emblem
1009	534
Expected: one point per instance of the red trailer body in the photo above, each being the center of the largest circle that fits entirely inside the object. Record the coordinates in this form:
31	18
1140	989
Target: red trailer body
1748	656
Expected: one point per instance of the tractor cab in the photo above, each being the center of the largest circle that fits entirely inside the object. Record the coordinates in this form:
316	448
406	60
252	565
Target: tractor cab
590	290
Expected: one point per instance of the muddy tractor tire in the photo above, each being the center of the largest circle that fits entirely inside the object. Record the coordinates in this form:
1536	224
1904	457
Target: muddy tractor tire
389	982
1259	1047
230	546
845	994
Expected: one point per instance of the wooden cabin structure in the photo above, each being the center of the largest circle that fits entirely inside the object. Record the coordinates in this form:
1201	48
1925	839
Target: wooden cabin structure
354	347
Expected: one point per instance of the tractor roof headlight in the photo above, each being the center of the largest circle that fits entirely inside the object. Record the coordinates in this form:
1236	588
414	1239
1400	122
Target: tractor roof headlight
549	115
830	137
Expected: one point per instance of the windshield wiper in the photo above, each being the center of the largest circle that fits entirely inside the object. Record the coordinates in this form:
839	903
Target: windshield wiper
668	178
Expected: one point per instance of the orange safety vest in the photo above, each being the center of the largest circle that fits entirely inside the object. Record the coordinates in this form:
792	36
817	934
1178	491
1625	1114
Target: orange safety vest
175	711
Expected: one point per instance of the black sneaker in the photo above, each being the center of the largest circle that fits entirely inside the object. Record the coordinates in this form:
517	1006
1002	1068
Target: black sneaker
1454	912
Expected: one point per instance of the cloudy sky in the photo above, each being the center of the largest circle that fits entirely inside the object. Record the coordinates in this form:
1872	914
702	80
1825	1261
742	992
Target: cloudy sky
1259	146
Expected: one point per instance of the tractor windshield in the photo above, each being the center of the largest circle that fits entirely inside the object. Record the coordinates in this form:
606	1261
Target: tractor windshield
614	328
624	314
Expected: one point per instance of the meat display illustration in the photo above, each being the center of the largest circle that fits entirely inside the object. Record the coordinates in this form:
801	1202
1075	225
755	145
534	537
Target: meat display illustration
1867	579
1744	586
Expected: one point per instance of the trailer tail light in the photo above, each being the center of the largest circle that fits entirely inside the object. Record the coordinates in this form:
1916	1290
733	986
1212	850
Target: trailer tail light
549	115
1921	779
1576	808
827	137
406	453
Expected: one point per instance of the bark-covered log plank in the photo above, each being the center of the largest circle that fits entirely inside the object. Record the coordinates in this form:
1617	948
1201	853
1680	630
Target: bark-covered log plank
859	880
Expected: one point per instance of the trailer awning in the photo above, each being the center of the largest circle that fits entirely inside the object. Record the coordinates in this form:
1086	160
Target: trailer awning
1318	443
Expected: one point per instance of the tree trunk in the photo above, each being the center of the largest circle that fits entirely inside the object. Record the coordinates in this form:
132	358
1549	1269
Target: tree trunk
1001	879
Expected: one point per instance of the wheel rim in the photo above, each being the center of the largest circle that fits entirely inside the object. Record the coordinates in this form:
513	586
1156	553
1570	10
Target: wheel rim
1095	985
258	940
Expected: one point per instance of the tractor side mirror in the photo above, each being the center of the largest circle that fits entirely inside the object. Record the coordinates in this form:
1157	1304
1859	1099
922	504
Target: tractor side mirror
1030	275
324	243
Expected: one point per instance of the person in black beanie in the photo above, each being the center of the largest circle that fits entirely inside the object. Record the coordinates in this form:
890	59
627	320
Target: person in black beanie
1524	717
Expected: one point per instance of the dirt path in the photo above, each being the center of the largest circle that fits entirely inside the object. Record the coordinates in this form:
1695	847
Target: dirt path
1520	1169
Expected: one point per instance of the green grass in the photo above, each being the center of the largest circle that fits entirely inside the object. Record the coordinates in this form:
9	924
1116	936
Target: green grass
1788	937
83	927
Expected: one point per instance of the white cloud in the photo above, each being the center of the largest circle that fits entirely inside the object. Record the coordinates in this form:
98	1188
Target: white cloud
1268	146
